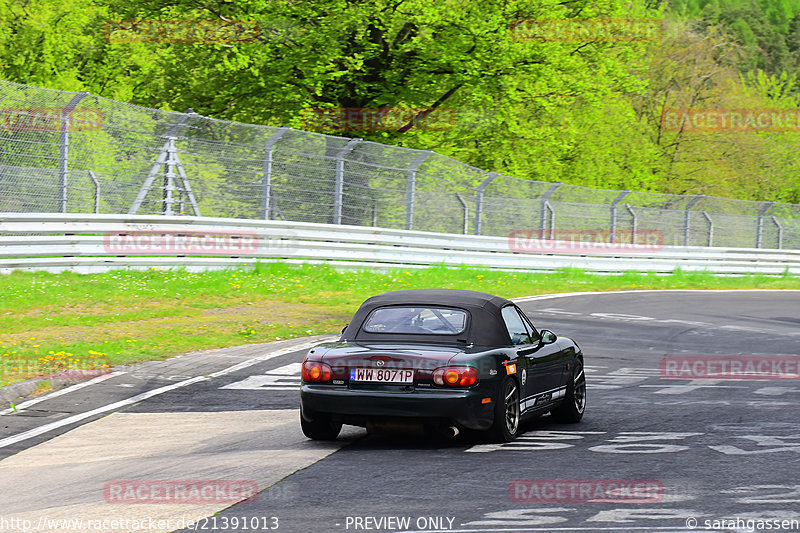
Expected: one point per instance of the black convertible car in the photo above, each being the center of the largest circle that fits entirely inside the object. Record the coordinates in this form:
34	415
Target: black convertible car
452	359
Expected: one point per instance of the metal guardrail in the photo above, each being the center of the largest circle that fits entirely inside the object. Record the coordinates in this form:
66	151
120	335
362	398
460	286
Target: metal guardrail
65	152
96	243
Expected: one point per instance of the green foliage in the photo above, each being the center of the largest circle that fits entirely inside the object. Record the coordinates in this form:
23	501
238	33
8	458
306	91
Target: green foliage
585	113
765	28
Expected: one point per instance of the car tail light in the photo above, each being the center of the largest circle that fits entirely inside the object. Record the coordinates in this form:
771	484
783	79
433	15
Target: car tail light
455	376
316	372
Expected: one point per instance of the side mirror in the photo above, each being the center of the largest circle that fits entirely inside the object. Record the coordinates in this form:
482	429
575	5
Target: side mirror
344	328
548	337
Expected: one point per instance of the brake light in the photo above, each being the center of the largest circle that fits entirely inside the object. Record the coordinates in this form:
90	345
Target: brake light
455	376
315	372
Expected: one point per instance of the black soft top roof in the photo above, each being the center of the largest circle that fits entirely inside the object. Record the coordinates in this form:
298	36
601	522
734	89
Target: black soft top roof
446	297
486	327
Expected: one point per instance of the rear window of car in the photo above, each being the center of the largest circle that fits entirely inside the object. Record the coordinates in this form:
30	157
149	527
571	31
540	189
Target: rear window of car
417	320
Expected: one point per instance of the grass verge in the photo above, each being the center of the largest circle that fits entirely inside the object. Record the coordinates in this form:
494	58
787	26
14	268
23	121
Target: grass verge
54	322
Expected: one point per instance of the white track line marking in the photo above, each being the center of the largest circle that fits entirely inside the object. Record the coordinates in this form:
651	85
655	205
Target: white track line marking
286	377
71	388
149	394
566	294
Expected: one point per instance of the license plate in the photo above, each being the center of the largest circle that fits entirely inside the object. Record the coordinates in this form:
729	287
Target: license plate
382	375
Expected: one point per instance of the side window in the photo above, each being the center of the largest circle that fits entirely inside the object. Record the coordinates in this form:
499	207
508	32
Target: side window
517	329
531	330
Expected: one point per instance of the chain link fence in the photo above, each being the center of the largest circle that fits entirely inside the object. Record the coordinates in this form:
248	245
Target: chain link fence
79	153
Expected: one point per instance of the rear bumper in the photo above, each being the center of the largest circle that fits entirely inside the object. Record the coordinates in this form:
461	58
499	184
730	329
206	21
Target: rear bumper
460	407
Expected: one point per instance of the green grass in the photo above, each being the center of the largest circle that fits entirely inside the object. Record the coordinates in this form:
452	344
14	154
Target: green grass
50	322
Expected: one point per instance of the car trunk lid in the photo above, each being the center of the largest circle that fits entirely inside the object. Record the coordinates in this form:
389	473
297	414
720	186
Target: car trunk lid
387	367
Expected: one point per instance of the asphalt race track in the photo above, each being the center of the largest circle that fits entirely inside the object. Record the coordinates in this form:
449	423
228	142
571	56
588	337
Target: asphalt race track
651	454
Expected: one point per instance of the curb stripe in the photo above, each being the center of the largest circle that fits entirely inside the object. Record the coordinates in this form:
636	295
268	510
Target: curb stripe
149	394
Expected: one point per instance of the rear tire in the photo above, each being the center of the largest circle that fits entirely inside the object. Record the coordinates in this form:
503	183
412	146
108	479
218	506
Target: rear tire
506	412
574	404
322	427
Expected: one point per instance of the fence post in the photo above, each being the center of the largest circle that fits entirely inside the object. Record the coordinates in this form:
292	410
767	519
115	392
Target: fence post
479	200
338	190
620	196
760	226
466	213
275	207
169	178
710	228
96	191
634	222
412	183
266	193
187	188
687	218
545	207
552	211
780	231
63	152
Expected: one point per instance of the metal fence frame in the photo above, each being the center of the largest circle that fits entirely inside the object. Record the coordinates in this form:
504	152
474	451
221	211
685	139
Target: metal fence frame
141	160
